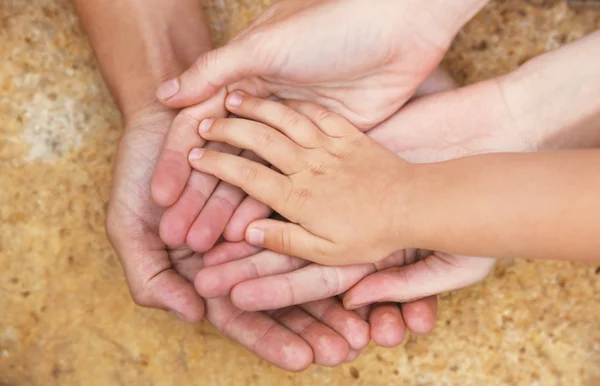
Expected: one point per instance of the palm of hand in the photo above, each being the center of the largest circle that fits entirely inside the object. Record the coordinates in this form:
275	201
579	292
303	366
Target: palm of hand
153	272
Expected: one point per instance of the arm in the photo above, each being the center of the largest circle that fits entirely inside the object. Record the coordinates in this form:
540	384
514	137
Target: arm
140	43
537	205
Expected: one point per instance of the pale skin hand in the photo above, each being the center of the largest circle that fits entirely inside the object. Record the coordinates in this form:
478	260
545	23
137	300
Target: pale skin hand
160	277
363	49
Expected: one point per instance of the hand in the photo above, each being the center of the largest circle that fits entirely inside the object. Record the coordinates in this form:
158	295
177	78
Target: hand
321	156
161	278
231	263
362	60
456	123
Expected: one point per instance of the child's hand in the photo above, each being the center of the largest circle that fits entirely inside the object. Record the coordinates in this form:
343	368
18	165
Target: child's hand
339	188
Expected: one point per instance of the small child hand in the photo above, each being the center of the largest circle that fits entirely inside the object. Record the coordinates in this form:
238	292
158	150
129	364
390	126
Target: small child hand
344	194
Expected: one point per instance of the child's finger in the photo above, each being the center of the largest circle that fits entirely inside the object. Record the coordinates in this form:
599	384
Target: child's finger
249	210
330	123
255	179
288	239
265	141
274	114
172	169
216	213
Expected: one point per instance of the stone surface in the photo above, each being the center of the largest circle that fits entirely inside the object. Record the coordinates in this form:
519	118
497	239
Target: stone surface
65	313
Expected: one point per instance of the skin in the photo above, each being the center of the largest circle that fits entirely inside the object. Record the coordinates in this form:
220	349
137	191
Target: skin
389	45
319	155
160	277
497	115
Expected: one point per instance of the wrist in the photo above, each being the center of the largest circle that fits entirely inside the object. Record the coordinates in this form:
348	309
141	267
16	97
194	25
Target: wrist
410	217
141	43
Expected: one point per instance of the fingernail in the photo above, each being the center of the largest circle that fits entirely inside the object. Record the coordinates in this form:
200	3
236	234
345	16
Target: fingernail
180	316
196	154
235	99
168	89
256	236
205	125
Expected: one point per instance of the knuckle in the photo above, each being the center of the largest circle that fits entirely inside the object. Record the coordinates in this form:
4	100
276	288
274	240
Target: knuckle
290	119
264	138
248	172
252	103
299	198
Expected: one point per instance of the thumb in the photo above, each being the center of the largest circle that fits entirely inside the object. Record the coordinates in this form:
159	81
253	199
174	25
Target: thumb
212	71
427	277
288	239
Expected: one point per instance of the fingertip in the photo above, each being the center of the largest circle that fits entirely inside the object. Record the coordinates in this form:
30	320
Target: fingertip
330	350
421	315
387	325
234	99
255	236
206	283
168	90
201	239
171	229
169	179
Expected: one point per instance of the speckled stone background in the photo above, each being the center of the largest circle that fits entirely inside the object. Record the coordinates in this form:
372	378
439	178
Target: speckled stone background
65	313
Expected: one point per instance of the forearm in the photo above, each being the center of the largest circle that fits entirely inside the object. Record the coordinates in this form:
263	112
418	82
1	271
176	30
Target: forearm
554	99
140	43
529	205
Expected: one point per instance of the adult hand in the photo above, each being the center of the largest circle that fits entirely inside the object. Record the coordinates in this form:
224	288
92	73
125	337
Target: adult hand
356	58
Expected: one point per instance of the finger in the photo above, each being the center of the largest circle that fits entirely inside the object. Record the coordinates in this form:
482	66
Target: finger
424	278
212	71
216	213
420	315
346	323
293	125
260	334
263	140
226	252
330	123
387	325
173	169
219	280
287	238
178	219
255	179
249	210
330	349
311	283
